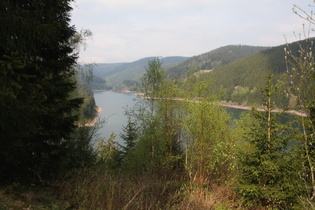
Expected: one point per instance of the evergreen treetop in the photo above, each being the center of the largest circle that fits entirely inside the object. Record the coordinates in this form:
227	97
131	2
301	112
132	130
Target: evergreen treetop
36	81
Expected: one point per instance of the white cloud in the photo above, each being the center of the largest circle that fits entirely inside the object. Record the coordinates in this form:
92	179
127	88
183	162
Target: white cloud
126	30
140	5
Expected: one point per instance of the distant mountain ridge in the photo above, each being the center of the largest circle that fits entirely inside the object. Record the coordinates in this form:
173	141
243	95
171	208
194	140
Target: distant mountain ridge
242	80
116	73
214	58
103	69
238	70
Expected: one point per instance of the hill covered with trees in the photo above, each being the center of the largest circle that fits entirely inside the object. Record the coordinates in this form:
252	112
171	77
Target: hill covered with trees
239	71
118	74
213	59
242	80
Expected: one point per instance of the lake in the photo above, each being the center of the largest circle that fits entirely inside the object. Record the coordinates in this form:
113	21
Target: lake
113	106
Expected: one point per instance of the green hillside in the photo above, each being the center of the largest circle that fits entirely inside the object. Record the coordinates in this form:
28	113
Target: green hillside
243	78
116	74
249	70
103	69
213	59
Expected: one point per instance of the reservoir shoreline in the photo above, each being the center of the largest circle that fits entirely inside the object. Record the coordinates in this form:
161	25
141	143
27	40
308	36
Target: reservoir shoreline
236	106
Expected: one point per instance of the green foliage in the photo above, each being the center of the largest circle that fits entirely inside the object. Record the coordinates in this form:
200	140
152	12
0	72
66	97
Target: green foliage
98	84
108	151
156	148
213	59
152	79
87	111
85	73
129	136
172	123
300	79
176	135
131	84
116	73
243	95
246	75
156	119
269	172
79	39
208	143
37	90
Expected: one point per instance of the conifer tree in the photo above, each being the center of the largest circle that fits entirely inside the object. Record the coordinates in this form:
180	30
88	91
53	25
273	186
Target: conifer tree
129	136
37	114
109	152
269	172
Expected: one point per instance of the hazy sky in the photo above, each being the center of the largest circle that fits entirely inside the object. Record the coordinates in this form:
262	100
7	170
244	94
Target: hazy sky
128	30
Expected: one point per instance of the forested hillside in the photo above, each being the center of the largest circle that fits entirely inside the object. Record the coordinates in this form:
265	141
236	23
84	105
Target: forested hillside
103	69
117	74
242	80
213	59
239	71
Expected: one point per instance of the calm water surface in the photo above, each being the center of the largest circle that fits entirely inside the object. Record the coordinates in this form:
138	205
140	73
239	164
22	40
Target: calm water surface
114	104
113	109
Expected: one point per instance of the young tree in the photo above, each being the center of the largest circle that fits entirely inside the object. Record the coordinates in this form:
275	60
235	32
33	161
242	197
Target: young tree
152	79
157	146
301	85
268	170
129	136
207	136
109	152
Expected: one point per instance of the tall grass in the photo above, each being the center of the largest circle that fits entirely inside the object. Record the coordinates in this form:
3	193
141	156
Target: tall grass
100	188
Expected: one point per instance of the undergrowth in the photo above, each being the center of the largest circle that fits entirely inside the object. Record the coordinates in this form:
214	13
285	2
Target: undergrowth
99	188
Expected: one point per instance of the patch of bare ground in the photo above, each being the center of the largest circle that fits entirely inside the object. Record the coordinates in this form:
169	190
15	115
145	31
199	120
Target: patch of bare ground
236	106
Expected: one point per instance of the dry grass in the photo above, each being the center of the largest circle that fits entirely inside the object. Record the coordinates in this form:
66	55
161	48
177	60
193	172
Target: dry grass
19	197
216	197
99	189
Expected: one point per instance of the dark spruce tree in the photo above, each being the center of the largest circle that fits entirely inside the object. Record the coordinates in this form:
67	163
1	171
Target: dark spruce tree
129	136
37	112
269	176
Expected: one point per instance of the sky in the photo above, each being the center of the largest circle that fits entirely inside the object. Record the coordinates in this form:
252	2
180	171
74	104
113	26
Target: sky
128	30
